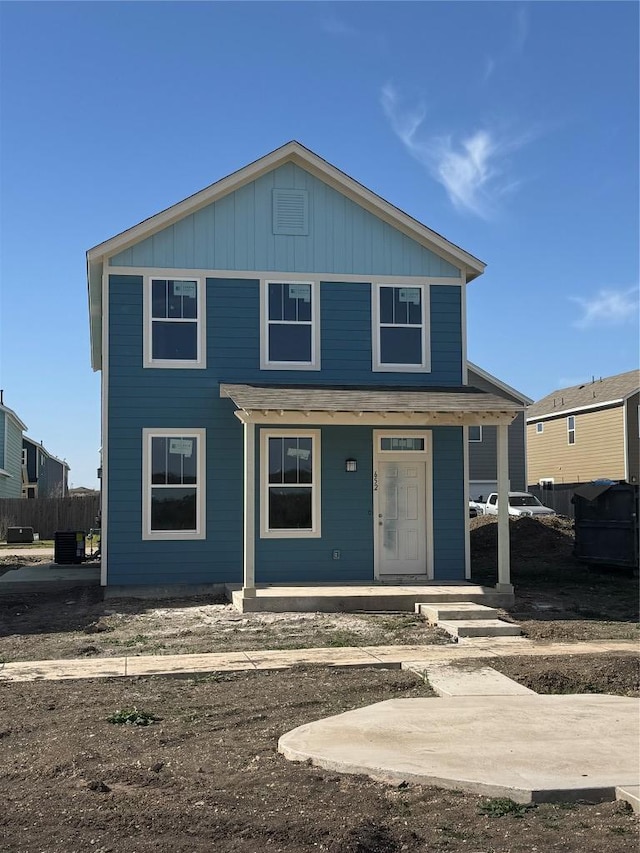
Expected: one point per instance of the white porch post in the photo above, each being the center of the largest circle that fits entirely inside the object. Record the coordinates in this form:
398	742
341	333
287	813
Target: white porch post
249	584
504	570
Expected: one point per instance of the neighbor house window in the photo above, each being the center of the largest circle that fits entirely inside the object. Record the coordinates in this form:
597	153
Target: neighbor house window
539	427
571	429
173	489
475	433
290	333
174	311
291	483
400	328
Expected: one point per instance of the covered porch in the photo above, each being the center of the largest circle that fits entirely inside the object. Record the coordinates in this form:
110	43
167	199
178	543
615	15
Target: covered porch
387	413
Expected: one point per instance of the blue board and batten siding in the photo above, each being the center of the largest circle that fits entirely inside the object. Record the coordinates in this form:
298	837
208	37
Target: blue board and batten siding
159	398
235	233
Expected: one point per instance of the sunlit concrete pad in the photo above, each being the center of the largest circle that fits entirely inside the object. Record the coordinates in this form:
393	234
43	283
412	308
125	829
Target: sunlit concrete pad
184	664
630	794
529	748
466	680
57	670
344	657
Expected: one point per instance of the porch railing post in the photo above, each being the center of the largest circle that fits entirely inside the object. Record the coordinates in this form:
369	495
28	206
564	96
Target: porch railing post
249	580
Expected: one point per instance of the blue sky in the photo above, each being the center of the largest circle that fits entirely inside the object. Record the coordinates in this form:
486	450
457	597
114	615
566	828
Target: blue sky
510	128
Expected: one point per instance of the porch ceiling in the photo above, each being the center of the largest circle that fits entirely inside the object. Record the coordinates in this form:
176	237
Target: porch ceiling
279	404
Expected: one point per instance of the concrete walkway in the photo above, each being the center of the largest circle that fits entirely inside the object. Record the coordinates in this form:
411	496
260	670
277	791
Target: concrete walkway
415	658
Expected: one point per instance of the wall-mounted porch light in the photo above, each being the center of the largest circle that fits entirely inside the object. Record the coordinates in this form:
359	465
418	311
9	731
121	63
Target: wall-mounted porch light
350	465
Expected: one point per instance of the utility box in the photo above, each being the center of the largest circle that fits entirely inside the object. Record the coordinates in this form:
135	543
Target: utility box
606	524
69	547
19	534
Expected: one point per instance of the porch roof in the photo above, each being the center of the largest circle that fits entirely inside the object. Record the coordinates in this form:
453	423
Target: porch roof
379	406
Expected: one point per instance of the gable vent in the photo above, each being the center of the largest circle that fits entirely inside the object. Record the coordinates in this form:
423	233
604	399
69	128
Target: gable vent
291	212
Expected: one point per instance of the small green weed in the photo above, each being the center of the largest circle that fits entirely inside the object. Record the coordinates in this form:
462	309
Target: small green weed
132	717
501	806
619	830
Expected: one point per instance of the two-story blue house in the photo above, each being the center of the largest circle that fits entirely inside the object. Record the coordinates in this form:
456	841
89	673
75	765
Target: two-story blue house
44	475
285	394
11	429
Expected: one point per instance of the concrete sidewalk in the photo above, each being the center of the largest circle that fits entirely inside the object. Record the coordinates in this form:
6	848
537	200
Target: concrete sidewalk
415	658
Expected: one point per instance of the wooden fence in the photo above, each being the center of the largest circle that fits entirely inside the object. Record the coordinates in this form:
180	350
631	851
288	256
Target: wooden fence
47	515
558	498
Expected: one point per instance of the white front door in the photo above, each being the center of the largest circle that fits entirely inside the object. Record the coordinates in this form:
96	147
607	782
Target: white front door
401	522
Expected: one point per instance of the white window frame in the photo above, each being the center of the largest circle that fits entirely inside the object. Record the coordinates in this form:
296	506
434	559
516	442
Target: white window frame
316	502
377	365
571	430
198	363
148	434
265	362
24	456
539	427
475	440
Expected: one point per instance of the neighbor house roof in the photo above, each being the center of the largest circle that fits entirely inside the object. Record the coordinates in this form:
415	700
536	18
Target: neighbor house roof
41	447
292	152
474	370
598	393
10	413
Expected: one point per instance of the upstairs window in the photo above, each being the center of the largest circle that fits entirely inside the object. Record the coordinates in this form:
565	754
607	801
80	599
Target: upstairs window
400	339
539	427
571	429
174	320
290	325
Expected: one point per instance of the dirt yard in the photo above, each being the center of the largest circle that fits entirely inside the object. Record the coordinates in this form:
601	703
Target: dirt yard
556	599
206	775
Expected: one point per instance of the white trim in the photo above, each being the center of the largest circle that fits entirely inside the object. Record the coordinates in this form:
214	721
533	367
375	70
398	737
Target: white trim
467	520
571	430
104	461
567	412
377	366
316	476
21	426
475	440
463	335
277	275
249	537
5	473
543	480
265	361
200	487
201	324
295	152
502	448
391	455
489	377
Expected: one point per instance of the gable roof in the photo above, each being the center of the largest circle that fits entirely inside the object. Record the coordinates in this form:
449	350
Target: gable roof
499	385
293	152
611	390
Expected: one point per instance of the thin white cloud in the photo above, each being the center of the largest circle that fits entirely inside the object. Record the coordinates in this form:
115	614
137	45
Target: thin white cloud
473	169
521	30
608	307
335	26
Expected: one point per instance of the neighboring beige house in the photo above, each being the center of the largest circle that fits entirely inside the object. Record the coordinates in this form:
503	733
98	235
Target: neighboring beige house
586	432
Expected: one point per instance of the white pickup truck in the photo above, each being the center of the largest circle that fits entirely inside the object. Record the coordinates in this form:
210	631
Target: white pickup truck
520	503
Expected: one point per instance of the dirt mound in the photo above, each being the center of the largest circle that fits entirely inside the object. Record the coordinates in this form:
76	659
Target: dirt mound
529	537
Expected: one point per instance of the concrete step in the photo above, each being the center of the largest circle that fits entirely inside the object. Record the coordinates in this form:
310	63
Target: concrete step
480	628
459	610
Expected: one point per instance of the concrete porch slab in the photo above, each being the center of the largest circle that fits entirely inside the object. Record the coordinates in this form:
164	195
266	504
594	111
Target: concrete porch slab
480	628
462	610
349	598
43	577
529	748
